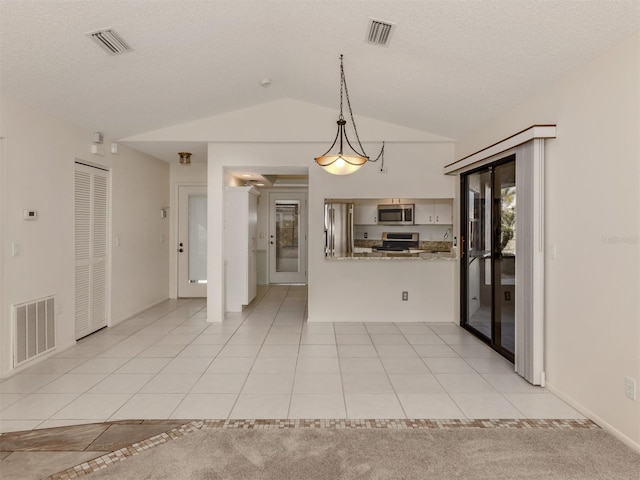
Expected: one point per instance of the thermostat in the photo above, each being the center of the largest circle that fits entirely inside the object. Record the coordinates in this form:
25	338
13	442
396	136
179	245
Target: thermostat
30	214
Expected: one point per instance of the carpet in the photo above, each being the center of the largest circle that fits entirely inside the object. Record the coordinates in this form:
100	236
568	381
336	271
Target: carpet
344	454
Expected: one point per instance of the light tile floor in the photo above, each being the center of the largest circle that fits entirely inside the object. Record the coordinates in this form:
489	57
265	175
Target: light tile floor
267	362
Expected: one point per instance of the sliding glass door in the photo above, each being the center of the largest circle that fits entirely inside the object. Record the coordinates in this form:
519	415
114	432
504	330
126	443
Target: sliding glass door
488	254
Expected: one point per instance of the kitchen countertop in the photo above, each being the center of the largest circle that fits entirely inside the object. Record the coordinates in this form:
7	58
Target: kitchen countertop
397	256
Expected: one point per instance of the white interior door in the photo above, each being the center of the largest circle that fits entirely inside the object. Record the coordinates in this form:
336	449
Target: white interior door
91	249
288	238
192	241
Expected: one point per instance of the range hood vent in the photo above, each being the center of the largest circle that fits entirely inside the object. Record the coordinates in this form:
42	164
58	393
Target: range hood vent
110	41
380	32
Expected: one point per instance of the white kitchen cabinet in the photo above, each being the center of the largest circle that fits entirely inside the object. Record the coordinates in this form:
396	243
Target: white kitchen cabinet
365	214
434	212
241	220
443	211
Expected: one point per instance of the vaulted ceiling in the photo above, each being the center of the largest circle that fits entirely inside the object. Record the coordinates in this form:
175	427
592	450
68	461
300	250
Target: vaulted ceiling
449	65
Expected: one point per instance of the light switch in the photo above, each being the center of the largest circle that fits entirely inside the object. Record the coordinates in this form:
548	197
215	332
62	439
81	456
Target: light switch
15	249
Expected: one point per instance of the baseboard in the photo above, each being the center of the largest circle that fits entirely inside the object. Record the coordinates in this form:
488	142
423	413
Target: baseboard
138	312
592	416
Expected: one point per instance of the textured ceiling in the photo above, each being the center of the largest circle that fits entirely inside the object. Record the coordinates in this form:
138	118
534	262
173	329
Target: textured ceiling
450	66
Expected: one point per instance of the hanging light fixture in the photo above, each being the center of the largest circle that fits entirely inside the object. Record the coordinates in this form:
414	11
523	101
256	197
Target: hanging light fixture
345	163
185	158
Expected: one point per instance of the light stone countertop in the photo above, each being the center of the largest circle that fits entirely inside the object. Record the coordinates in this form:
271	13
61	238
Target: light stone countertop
377	256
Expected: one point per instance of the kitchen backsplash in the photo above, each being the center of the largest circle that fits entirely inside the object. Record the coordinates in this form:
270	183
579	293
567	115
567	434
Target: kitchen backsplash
428	245
426	232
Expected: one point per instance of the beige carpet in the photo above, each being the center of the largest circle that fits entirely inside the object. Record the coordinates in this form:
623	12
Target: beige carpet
383	454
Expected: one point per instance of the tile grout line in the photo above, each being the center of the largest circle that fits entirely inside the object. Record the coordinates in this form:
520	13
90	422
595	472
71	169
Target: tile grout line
178	354
395	393
255	358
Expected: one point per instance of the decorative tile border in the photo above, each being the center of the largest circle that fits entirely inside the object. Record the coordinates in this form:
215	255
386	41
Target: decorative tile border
401	423
338	424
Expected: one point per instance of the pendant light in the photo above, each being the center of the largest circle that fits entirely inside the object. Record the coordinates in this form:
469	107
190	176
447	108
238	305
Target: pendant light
342	163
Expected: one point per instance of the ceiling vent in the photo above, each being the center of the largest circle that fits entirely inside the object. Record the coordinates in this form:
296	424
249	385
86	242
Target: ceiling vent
380	32
110	41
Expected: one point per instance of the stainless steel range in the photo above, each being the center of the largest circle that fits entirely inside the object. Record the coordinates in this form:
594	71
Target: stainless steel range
398	242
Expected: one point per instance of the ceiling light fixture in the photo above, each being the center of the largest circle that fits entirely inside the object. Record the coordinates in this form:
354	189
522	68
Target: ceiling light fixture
341	163
185	158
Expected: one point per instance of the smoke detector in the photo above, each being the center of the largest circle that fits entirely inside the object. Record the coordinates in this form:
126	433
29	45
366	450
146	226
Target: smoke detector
110	41
379	32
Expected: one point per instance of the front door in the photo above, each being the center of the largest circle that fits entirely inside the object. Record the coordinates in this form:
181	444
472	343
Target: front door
192	241
488	254
288	238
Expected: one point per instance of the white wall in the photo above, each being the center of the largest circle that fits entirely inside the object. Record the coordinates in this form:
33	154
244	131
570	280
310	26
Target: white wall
38	165
348	290
140	267
592	314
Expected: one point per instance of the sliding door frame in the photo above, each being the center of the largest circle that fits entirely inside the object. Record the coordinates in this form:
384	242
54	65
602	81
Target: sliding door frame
494	260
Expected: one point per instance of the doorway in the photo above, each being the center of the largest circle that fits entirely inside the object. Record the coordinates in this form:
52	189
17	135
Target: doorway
287	237
488	254
192	241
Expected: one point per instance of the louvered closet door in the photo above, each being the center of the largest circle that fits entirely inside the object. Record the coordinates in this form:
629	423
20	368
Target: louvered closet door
91	228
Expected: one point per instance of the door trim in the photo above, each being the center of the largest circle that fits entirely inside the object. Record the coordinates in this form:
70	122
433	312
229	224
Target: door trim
303	196
174	234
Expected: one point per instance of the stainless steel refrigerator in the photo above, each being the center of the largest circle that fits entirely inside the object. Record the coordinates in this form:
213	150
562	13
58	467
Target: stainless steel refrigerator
338	229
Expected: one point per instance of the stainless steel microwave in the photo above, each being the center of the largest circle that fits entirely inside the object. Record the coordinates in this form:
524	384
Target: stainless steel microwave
397	214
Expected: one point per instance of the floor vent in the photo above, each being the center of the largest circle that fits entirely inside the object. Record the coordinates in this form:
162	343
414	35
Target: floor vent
34	332
379	32
110	41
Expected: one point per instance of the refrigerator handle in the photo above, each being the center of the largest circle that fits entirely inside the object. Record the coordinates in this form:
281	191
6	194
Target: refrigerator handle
350	239
332	233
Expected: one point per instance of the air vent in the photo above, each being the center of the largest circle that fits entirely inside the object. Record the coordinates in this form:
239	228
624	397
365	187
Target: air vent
379	32
110	41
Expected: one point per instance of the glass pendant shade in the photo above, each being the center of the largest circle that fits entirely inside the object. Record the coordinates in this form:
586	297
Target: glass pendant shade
341	164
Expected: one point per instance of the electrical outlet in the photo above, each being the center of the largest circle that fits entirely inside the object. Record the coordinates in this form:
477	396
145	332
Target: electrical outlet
507	296
630	388
405	296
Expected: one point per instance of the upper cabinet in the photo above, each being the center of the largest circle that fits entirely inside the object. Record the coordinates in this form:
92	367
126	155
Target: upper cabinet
438	211
365	213
427	211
